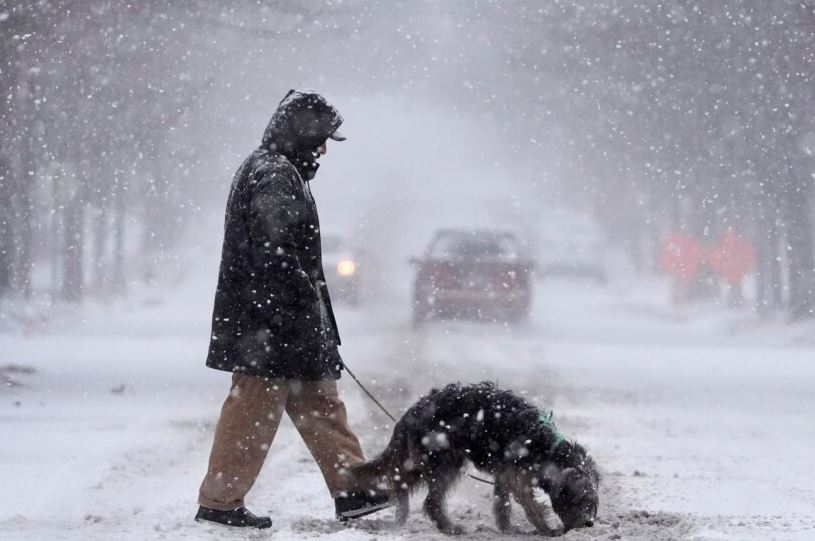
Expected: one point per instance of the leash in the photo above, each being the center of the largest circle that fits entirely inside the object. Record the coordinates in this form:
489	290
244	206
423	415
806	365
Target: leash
477	478
367	392
392	418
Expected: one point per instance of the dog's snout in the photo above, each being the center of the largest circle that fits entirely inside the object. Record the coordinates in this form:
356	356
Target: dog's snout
589	523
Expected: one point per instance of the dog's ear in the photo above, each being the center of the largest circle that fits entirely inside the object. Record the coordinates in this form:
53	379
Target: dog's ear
567	472
553	478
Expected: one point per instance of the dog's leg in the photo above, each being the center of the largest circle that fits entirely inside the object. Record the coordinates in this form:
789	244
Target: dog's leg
535	502
439	482
538	508
501	505
401	489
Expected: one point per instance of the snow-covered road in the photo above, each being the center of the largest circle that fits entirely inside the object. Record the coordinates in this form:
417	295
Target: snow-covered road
702	427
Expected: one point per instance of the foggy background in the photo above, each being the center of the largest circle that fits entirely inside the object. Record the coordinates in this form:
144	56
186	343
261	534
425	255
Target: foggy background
122	125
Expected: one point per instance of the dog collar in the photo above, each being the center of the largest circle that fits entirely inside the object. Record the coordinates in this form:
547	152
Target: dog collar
546	420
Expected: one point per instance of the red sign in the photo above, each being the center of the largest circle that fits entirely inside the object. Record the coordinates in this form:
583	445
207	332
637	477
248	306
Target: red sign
682	256
733	257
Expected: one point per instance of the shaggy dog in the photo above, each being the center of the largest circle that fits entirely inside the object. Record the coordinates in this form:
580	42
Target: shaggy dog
554	480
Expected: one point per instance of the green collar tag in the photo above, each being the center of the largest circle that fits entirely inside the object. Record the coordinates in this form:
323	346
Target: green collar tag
546	420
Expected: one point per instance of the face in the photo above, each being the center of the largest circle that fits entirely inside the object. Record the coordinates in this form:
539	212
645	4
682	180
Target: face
321	150
573	493
576	502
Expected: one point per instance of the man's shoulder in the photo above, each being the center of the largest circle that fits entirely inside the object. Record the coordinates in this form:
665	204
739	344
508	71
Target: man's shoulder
269	167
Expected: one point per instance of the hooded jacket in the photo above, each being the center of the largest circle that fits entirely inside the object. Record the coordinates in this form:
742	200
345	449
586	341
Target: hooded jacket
272	315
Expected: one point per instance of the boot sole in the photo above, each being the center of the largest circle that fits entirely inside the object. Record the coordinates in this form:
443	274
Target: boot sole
357	513
233	525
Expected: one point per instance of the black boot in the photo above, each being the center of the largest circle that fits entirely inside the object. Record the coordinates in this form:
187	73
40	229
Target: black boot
240	517
358	504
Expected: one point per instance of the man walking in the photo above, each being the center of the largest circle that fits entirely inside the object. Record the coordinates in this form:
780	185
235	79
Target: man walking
273	326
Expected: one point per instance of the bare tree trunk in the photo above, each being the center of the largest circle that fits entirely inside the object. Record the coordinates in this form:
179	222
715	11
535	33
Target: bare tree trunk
24	211
152	229
100	243
118	281
6	229
159	224
54	247
801	268
776	297
8	81
769	289
72	275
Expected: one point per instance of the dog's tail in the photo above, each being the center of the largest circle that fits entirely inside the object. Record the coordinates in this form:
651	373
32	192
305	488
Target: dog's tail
389	461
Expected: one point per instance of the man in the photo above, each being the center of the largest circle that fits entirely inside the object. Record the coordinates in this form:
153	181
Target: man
273	326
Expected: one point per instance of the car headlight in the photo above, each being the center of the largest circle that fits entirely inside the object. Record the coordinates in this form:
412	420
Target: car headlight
346	267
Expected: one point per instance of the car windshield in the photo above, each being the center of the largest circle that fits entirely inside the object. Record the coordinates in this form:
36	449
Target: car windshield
467	246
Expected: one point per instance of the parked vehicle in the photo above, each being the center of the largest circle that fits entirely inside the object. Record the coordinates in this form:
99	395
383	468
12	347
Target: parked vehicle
481	274
571	244
342	268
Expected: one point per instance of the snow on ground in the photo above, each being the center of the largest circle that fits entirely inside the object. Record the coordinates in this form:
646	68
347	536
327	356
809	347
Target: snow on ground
699	419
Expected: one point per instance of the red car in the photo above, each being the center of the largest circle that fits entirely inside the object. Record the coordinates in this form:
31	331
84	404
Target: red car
481	274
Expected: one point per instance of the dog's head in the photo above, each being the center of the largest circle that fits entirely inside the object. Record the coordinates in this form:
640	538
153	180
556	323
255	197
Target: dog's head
573	490
574	499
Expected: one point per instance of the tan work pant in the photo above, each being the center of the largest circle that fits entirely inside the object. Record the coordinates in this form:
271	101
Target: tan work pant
248	423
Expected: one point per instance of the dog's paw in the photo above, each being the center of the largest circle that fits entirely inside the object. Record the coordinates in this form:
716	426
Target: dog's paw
554	525
514	529
557	532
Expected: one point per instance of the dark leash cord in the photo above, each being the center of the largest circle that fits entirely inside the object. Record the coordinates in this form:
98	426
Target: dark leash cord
392	418
367	392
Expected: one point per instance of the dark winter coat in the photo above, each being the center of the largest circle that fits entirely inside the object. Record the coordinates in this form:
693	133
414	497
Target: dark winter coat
273	314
